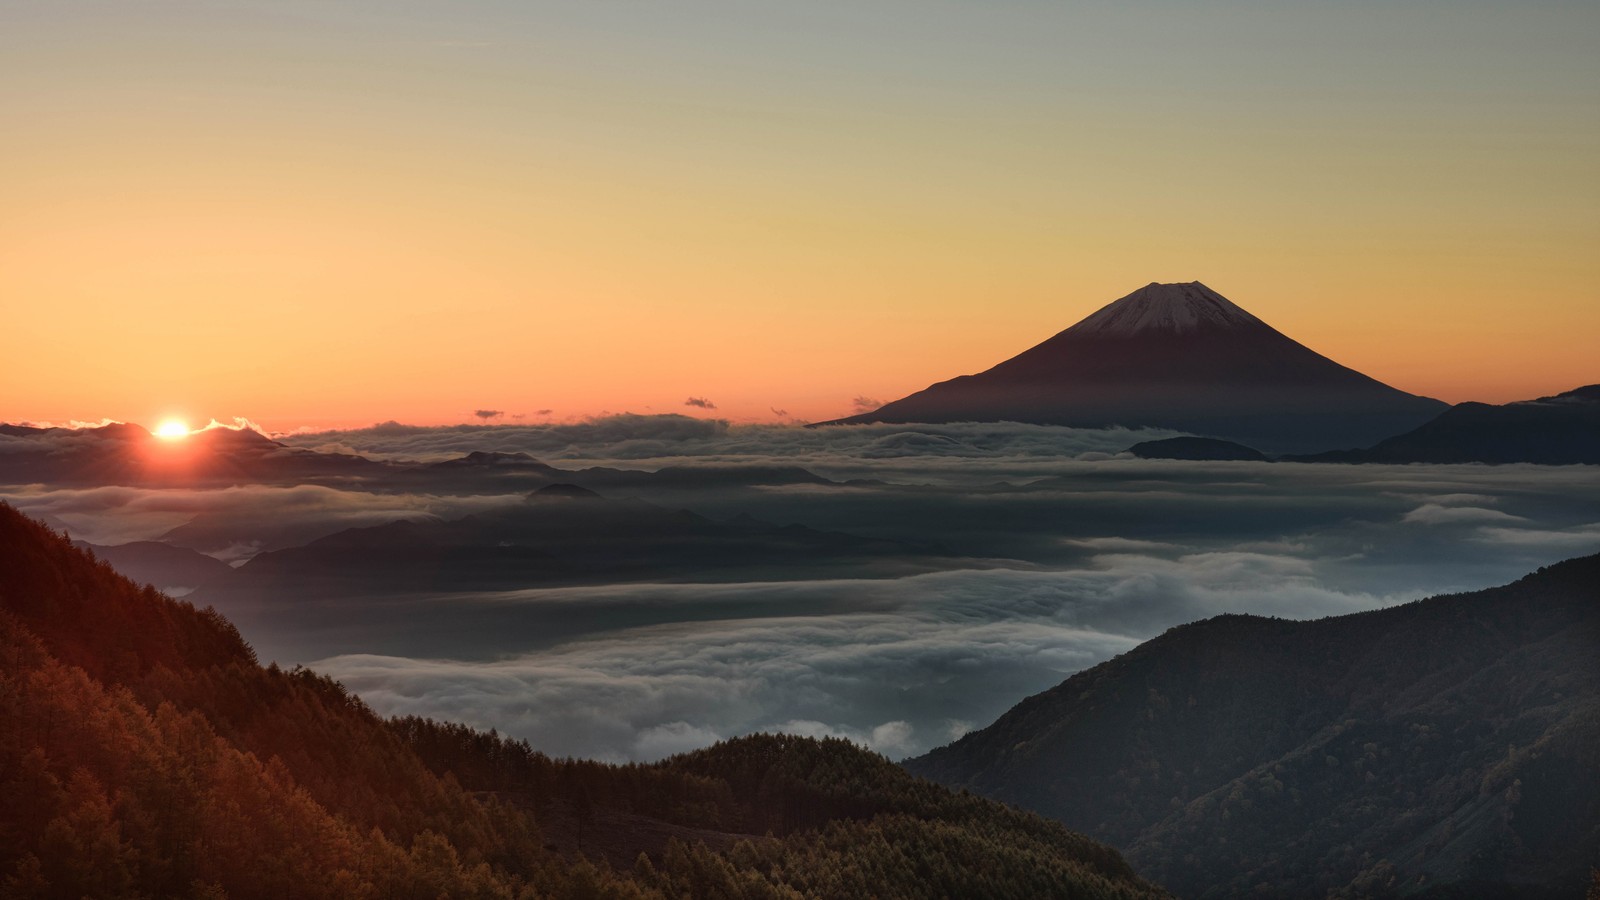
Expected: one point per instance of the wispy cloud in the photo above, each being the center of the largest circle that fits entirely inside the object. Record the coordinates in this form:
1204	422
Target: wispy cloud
864	404
1439	514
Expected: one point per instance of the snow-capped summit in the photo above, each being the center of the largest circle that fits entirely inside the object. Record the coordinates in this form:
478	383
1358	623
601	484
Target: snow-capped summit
1186	306
1178	356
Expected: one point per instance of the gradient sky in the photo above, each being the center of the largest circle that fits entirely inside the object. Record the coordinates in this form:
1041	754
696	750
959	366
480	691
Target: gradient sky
331	213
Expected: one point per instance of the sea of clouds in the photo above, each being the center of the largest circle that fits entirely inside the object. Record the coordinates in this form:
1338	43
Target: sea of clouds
1061	551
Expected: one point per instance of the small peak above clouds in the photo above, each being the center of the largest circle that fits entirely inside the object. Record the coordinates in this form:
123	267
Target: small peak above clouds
1186	306
563	491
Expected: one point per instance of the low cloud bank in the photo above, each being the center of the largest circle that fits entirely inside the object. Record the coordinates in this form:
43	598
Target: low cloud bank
929	657
258	516
1089	552
900	666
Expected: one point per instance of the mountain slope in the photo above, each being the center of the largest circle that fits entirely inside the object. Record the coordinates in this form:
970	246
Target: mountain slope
1453	740
1559	430
145	753
1177	356
172	570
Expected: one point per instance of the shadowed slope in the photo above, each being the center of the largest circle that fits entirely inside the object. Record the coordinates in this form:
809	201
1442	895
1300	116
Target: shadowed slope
1451	740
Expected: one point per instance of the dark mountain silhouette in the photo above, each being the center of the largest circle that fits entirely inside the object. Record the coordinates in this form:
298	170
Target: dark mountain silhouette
1196	448
146	753
1450	741
1559	430
482	458
162	566
127	454
1177	356
10	430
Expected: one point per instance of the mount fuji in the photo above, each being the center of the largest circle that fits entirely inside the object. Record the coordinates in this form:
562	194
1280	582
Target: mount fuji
1178	356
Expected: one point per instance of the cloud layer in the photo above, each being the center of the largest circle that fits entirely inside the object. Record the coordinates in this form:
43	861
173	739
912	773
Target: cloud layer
1061	551
899	665
641	441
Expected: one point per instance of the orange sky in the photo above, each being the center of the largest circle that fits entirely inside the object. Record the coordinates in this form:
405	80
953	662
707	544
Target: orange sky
332	214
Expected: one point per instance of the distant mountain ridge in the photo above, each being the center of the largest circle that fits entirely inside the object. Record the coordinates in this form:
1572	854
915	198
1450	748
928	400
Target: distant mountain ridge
123	453
1177	356
128	454
170	569
1563	429
1449	741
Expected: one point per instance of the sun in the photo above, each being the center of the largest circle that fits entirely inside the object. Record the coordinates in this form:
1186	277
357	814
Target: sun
172	430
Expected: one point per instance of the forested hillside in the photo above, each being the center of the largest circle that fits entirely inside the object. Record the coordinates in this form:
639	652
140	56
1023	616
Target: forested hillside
1448	745
146	753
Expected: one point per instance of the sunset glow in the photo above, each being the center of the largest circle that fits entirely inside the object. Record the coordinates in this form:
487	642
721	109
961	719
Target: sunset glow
813	449
172	430
585	208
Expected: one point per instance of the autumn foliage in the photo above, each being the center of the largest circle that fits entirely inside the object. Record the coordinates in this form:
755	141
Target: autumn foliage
146	753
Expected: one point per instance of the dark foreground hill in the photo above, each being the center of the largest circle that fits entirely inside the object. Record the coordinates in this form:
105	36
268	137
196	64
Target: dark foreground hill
145	753
1451	744
174	570
1178	356
1560	430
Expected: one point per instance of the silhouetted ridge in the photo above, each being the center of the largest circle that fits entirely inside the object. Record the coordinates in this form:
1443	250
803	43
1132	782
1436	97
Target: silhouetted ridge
125	453
490	458
1195	448
1559	430
163	566
10	430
